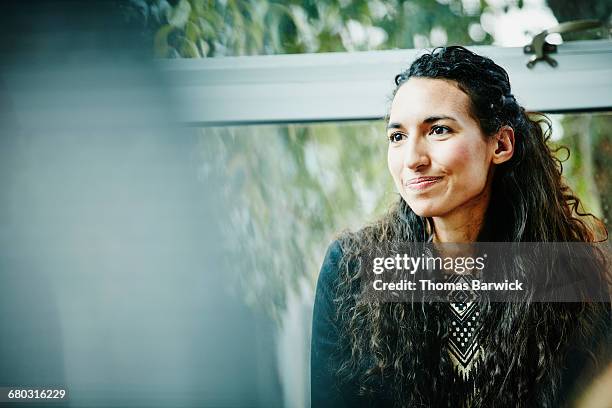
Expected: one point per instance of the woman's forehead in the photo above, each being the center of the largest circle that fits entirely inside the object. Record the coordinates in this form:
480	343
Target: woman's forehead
420	98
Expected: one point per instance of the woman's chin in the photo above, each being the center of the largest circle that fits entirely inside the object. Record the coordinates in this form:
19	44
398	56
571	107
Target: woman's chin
425	209
426	214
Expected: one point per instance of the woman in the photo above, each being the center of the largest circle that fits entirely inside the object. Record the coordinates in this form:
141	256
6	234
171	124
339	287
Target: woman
469	165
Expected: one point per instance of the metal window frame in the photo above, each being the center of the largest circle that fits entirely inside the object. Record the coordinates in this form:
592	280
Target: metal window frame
357	85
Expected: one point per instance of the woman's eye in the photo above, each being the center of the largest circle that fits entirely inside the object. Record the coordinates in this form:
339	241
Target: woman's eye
396	137
439	130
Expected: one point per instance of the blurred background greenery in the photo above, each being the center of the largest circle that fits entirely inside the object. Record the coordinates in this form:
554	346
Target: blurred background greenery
291	188
117	260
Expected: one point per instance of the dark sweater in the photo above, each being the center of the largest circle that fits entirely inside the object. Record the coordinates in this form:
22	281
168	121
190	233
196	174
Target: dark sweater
327	391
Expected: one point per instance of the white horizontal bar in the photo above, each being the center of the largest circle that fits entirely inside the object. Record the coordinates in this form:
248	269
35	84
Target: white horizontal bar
358	85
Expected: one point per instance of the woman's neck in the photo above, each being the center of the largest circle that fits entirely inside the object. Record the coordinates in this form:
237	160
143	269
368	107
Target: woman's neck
463	224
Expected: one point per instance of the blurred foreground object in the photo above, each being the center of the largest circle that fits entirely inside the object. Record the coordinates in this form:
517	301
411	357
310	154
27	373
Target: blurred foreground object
112	280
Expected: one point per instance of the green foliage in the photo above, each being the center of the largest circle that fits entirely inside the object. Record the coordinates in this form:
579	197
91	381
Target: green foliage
193	29
289	189
588	169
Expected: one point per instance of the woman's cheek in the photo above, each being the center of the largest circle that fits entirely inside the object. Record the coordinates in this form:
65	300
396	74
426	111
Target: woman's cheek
454	155
394	160
466	163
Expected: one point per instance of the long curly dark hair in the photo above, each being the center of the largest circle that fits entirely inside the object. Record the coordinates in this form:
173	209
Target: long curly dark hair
402	345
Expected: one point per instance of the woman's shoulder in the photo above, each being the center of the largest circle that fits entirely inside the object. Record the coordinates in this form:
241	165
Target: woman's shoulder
329	272
344	244
337	259
342	257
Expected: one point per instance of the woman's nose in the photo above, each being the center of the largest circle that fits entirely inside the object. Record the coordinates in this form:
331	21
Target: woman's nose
416	154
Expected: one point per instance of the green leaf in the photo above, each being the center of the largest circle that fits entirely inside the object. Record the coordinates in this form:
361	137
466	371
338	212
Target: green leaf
179	14
160	42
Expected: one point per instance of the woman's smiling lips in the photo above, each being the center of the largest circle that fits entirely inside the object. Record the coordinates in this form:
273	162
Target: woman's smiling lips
421	183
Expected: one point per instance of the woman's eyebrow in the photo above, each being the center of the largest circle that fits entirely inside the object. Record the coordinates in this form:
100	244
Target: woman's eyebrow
430	119
394	125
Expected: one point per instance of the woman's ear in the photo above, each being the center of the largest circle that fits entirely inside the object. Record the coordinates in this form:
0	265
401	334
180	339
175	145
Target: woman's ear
504	145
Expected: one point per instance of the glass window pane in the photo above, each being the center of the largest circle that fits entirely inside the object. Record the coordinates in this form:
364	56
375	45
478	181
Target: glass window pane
289	189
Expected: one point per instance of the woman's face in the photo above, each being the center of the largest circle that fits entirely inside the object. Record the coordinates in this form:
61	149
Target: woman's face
438	156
